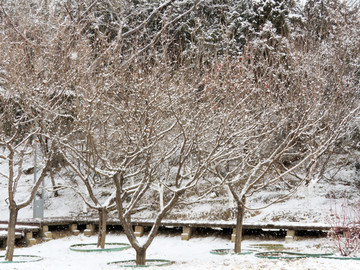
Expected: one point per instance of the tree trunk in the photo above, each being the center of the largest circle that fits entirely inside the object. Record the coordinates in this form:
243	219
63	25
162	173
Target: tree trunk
161	194
54	187
239	225
231	202
102	228
140	256
10	243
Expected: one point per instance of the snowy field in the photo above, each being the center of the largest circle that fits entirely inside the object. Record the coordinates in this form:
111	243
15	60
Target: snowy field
193	254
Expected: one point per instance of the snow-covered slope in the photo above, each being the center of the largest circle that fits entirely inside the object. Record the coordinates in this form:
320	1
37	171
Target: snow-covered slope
311	204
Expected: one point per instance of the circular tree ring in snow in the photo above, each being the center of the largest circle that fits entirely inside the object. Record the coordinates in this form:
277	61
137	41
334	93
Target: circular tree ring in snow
290	255
277	247
148	263
342	258
21	259
226	251
92	247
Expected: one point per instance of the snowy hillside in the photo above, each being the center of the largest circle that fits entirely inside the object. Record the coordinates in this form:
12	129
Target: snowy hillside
311	204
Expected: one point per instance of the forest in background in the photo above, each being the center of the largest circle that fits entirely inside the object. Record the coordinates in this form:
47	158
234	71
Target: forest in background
186	98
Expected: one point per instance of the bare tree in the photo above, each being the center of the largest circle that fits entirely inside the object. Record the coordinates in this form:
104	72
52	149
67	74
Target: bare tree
134	120
169	135
80	153
152	128
73	65
16	153
292	119
83	169
19	127
36	84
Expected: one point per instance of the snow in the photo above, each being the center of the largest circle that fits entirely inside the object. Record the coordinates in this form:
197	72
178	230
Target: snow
311	204
3	235
192	254
66	205
20	227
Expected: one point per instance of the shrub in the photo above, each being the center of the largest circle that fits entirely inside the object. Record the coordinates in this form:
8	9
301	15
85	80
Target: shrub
344	235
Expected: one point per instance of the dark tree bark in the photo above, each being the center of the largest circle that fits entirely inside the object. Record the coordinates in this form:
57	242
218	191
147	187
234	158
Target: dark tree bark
140	256
56	194
126	220
239	225
102	228
240	201
10	243
14	209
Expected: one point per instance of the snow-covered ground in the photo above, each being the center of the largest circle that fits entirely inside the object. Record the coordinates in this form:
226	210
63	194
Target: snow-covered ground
192	254
311	204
